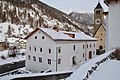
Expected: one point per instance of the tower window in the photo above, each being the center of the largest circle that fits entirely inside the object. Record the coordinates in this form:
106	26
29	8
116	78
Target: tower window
98	12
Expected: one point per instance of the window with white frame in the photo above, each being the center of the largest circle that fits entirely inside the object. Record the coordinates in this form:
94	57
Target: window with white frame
30	48
29	57
40	59
83	55
49	50
34	58
94	44
35	48
59	61
73	47
43	37
40	49
59	50
49	61
83	46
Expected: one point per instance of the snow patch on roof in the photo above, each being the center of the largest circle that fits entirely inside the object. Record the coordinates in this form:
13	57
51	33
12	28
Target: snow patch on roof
60	35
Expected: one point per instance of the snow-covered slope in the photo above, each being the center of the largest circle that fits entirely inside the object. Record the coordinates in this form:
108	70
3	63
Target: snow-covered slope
36	14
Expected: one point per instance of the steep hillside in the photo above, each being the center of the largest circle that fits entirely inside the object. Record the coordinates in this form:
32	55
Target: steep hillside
86	18
36	14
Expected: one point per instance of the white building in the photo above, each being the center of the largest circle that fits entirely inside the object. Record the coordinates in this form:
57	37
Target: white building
113	26
48	49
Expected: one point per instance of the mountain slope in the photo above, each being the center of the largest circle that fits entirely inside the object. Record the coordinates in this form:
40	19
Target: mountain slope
36	14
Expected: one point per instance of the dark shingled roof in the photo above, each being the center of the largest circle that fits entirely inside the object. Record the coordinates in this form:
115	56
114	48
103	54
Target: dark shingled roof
98	6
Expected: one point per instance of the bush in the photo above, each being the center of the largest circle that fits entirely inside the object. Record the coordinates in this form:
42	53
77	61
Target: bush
115	54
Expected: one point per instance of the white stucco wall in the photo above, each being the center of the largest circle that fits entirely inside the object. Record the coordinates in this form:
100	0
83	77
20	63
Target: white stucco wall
114	26
66	54
45	44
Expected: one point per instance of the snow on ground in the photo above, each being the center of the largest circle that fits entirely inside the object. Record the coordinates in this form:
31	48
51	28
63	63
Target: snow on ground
80	73
109	71
10	59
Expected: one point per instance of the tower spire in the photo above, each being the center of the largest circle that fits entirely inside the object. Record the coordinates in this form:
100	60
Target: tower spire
98	5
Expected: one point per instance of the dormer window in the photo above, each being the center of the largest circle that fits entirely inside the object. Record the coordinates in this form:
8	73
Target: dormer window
70	35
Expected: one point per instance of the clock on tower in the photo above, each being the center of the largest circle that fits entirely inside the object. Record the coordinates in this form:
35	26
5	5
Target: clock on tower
98	16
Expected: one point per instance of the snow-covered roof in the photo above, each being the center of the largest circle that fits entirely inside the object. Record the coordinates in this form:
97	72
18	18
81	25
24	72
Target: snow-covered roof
61	36
81	72
12	39
2	38
40	74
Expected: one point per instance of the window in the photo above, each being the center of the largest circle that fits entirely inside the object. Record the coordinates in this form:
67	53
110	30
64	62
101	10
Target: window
29	57
49	61
34	48
83	46
35	37
83	55
34	58
87	45
94	44
40	49
101	39
0	31
98	12
73	47
90	45
59	61
49	50
40	59
101	33
30	48
93	52
43	37
59	50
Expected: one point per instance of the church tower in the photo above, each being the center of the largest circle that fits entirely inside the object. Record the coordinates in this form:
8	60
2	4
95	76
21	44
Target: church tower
98	16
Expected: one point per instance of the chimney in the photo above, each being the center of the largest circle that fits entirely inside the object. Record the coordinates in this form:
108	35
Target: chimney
56	29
